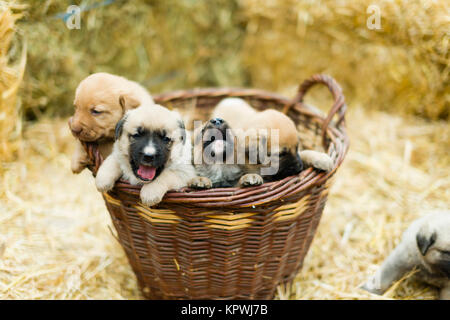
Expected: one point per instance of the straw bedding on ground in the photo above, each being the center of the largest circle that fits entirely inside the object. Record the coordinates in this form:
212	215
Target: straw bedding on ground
56	241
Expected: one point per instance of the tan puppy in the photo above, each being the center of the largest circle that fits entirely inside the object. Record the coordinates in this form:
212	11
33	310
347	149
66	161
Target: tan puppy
425	245
152	150
101	99
276	135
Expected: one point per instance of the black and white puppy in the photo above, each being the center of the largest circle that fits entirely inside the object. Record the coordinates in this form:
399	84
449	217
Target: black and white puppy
151	149
425	245
213	155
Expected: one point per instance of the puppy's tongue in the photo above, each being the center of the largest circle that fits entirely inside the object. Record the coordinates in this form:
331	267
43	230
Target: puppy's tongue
146	172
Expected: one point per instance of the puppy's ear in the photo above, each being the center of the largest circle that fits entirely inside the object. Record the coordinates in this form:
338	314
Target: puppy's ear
119	127
127	102
181	125
183	130
425	240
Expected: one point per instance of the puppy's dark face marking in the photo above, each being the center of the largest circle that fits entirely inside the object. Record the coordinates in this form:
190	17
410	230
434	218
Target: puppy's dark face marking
289	164
214	130
149	152
425	242
437	258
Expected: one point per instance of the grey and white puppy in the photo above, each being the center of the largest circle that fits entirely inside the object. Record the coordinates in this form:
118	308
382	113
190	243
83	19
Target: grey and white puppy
425	245
152	150
214	145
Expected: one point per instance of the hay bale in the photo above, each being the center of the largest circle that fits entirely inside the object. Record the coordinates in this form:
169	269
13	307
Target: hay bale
11	72
162	44
165	45
402	68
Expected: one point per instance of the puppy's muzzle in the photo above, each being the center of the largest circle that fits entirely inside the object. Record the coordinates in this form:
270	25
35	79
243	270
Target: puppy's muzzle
147	158
216	121
218	124
76	130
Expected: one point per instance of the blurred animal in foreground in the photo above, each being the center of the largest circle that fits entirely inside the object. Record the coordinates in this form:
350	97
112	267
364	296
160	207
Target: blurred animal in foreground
425	245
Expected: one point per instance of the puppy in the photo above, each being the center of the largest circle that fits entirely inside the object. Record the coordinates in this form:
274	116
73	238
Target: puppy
257	131
425	245
101	100
152	150
214	156
235	111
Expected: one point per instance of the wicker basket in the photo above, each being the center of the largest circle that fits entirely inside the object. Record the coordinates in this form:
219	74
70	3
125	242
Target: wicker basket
229	243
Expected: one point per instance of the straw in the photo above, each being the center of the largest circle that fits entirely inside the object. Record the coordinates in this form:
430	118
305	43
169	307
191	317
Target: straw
55	230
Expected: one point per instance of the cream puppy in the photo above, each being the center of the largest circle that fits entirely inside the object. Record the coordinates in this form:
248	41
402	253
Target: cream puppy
256	130
235	111
152	150
101	100
425	245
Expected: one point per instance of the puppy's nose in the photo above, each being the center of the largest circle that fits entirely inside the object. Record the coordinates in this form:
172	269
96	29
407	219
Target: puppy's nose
216	121
148	157
76	130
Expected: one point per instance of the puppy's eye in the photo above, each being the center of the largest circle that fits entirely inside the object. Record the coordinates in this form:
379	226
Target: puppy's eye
95	112
213	138
139	132
166	139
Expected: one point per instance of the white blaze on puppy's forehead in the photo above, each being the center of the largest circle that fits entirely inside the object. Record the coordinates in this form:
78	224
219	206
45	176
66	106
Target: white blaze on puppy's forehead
150	149
152	117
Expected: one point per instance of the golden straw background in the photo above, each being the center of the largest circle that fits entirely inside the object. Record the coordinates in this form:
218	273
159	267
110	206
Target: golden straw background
56	237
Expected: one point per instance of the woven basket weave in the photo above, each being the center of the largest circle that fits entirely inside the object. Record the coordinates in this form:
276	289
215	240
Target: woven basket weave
229	243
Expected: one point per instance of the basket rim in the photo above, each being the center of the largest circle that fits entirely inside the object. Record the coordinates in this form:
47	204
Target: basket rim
248	196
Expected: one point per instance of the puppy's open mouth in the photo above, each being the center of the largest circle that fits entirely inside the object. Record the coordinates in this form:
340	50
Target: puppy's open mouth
146	173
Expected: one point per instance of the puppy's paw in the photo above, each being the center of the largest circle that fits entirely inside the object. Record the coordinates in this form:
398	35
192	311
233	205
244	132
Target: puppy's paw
78	164
324	163
77	167
318	160
250	179
103	182
152	194
200	183
372	287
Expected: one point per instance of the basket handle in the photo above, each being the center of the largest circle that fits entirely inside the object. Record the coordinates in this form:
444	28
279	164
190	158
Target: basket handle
338	107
